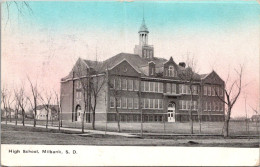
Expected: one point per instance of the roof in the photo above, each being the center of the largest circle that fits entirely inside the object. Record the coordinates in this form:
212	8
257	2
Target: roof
143	27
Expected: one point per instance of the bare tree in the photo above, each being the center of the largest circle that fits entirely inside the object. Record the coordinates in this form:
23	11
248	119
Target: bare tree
82	73
5	99
16	109
57	101
22	101
189	76
35	96
47	105
231	93
115	86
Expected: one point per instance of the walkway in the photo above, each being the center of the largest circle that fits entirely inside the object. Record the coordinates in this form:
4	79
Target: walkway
87	132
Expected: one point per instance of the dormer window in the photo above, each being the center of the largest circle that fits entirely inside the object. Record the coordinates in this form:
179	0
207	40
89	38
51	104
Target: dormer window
171	71
152	72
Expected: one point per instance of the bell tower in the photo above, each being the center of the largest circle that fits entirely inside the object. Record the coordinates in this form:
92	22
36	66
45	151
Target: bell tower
143	49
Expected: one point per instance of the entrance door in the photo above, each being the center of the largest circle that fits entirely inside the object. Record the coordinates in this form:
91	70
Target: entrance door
171	112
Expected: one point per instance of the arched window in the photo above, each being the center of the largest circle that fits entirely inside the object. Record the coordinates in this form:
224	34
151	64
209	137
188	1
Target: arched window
171	71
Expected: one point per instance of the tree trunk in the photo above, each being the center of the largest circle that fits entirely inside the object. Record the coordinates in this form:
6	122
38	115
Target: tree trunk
82	121
6	117
59	118
226	123
23	116
35	112
16	116
10	116
47	119
118	120
93	120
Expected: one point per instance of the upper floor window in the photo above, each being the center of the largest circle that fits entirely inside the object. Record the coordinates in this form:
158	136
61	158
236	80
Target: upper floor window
136	85
112	102
171	71
130	84
124	84
205	90
213	91
209	90
78	84
221	91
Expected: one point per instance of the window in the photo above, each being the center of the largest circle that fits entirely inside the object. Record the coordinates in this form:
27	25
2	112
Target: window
217	105
195	106
112	83
142	86
205	106
130	103
142	103
152	71
217	91
180	104
156	104
205	90
161	87
195	89
130	84
221	106
171	71
124	84
146	86
118	83
174	88
151	103
168	88
135	103
213	106
188	89
146	103
151	87
180	89
209	90
160	103
156	88
124	104
112	102
213	90
183	104
78	84
118	102
221	91
136	85
209	106
188	104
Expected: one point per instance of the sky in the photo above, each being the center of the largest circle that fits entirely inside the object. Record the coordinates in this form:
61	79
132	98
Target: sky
44	43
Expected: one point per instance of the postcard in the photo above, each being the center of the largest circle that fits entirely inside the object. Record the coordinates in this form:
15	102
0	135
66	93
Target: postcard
127	83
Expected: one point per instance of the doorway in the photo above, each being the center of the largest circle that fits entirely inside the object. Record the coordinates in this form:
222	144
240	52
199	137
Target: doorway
171	112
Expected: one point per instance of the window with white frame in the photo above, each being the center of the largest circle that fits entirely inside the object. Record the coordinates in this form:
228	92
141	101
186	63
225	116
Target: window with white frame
142	102
142	86
205	106
221	91
135	103
188	89
146	86
112	102
213	106
209	106
180	104
156	103
124	84
124	102
146	103
171	71
205	90
188	104
151	103
118	102
168	88
130	84
217	106
151	86
161	87
136	85
195	89
217	91
209	90
213	90
174	88
160	103
130	103
118	83
184	105
156	87
195	105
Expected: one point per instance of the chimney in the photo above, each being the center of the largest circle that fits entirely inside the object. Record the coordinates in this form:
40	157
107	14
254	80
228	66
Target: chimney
182	64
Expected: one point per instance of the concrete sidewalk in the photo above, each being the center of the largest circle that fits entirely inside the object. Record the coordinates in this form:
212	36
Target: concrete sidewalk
87	132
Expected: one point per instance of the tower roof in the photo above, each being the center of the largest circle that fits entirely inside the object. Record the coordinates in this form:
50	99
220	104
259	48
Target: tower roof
143	27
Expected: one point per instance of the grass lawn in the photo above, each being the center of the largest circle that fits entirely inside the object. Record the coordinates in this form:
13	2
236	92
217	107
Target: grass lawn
11	134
